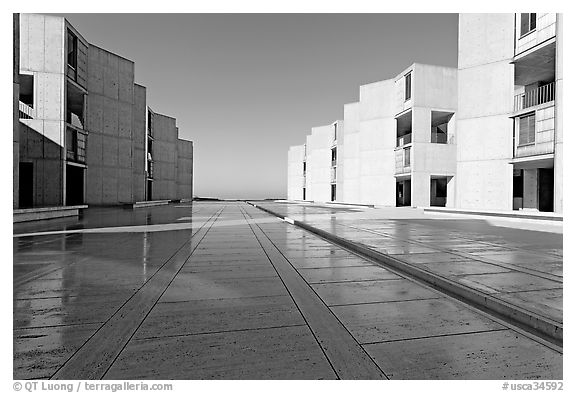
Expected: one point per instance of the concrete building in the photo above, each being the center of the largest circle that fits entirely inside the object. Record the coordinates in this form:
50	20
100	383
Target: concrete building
395	146
81	134
509	112
485	136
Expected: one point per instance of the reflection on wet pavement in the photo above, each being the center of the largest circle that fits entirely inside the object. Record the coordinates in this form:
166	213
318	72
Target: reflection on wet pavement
223	291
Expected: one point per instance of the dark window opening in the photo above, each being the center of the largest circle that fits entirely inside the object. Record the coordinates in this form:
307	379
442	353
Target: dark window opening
518	184
333	192
407	157
527	23
408	87
303	194
335	131
25	185
438	191
74	185
304	167
334	157
75	145
27	89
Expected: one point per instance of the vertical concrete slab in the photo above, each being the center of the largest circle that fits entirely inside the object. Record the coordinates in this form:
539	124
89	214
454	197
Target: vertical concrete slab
351	154
318	163
485	100
185	169
559	104
138	143
165	156
377	142
295	180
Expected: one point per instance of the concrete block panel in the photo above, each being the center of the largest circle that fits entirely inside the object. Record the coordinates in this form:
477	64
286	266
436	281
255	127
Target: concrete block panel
111	81
110	116
484	38
435	87
95	113
52	140
484	138
486	90
124	153
125	120
50	98
95	75
124	185
376	100
109	151
54	30
126	81
36	32
484	185
94	154
50	182
93	185
109	185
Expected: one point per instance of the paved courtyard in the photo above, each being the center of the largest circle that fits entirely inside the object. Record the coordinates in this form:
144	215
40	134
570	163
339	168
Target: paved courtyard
223	290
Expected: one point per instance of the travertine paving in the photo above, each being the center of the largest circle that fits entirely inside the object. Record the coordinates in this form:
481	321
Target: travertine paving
234	293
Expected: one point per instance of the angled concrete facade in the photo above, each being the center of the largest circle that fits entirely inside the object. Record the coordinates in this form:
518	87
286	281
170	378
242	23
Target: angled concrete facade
82	124
484	136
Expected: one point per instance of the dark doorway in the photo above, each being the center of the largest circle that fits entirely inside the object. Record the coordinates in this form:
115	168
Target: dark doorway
546	189
518	189
403	191
333	192
438	191
149	190
74	185
303	194
26	185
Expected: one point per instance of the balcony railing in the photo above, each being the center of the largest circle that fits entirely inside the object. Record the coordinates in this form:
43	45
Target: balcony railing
75	145
403	140
530	98
25	111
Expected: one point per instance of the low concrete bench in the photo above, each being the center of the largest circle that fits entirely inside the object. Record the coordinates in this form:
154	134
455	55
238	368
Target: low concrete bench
45	213
142	204
523	214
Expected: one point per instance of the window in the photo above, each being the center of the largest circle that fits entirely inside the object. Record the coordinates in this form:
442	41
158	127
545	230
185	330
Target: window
72	49
527	23
407	157
335	131
527	129
304	167
333	156
440	133
408	86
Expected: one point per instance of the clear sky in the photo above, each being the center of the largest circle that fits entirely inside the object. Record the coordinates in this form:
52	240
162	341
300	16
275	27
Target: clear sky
245	87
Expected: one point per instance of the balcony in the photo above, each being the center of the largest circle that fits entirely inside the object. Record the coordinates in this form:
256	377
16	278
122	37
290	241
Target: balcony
403	160
333	176
25	111
535	97
403	140
539	138
150	169
75	145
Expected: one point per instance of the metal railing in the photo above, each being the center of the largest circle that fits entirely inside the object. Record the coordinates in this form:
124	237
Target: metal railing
25	111
535	97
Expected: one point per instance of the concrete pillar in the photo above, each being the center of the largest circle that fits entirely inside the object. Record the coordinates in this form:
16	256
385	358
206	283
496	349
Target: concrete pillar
531	189
558	146
420	189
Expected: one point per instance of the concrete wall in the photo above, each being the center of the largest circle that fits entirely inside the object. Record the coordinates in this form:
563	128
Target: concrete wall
139	144
185	169
340	163
318	163
109	121
434	89
295	172
41	139
351	154
485	102
559	143
15	99
165	156
377	139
